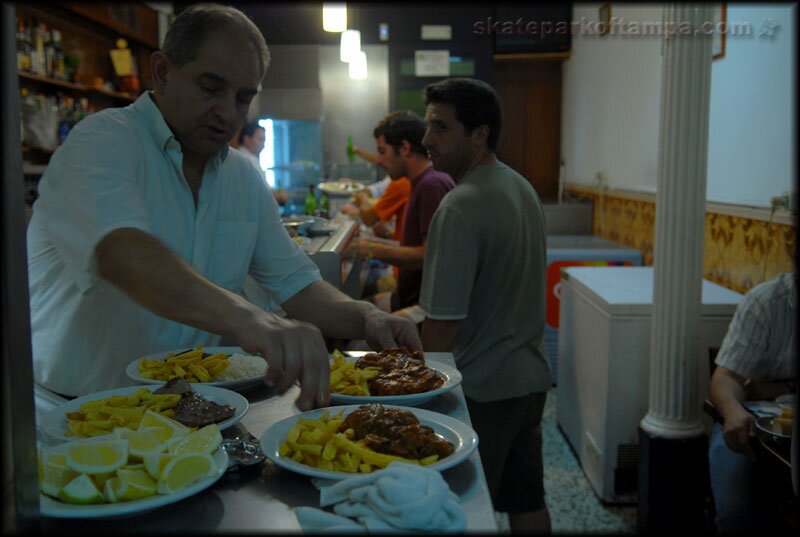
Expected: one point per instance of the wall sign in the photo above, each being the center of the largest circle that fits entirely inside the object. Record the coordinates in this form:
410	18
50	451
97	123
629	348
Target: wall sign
432	62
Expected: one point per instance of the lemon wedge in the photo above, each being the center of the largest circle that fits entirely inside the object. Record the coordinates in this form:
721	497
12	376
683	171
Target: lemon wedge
170	428
143	441
97	457
205	440
54	473
185	470
154	464
81	490
108	489
133	485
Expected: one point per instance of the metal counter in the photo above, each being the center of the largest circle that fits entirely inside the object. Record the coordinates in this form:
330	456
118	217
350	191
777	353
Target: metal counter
261	498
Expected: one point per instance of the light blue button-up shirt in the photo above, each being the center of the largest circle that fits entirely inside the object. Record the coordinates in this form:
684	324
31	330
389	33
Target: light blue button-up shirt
122	167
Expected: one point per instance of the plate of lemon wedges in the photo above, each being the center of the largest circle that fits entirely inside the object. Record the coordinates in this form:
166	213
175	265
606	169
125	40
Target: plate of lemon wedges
129	471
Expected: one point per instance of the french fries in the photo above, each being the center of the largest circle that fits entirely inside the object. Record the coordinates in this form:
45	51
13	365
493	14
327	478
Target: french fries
189	365
318	443
347	379
101	416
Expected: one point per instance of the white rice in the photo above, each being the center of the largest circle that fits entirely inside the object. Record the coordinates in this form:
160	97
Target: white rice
243	366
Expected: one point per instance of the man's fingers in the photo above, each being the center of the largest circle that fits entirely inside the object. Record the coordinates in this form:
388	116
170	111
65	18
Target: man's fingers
291	370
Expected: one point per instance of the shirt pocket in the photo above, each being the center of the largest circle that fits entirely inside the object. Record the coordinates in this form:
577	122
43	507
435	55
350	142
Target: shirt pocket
231	253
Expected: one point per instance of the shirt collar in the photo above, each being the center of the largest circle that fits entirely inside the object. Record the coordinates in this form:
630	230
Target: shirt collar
157	125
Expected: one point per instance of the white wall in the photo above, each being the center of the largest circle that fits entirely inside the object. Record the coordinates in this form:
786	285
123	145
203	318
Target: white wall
612	96
751	135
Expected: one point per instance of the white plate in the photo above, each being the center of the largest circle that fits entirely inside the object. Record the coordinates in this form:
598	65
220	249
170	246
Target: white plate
456	431
53	508
56	425
237	385
452	379
335	188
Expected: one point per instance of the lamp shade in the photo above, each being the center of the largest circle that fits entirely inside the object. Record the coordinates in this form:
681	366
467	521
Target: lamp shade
358	67
334	17
350	45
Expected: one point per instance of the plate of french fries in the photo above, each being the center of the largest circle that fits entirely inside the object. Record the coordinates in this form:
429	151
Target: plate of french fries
350	385
200	365
100	413
310	443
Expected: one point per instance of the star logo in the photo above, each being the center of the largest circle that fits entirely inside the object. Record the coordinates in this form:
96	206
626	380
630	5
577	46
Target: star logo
768	29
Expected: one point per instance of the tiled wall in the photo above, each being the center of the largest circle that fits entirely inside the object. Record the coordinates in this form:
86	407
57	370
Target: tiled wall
740	252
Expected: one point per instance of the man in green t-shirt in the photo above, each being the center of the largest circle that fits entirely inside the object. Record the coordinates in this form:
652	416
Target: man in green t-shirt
483	291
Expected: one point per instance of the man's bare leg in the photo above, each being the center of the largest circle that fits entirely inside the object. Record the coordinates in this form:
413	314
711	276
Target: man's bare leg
530	522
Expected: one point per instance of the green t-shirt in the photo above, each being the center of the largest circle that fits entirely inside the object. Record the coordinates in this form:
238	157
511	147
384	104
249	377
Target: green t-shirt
485	265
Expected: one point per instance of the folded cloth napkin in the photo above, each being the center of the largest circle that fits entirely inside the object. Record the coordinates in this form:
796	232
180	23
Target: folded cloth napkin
399	498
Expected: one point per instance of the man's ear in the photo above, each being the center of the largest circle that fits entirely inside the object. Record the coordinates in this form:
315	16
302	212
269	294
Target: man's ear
480	136
159	67
405	149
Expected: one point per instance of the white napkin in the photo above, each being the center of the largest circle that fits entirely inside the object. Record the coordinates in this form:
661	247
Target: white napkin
400	498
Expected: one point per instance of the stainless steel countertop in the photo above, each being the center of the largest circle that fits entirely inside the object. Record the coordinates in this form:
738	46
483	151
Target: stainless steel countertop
261	498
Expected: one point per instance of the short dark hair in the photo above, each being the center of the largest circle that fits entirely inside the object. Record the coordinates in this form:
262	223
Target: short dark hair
403	125
476	103
249	129
195	24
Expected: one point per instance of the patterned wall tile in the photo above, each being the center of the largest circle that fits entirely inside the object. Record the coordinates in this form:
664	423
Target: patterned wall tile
739	252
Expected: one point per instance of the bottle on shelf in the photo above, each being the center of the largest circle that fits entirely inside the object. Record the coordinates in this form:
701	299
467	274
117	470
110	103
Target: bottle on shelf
59	71
38	46
311	201
23	47
49	53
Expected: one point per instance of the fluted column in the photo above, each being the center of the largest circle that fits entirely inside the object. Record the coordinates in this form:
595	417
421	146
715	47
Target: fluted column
680	214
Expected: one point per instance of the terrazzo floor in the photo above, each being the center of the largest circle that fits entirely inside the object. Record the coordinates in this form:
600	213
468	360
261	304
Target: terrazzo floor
573	505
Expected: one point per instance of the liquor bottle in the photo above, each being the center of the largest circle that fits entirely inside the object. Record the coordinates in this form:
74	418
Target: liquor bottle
38	45
311	201
20	45
49	54
59	70
29	47
351	152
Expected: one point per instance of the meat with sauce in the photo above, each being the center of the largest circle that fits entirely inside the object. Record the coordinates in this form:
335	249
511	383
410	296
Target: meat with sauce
402	372
395	432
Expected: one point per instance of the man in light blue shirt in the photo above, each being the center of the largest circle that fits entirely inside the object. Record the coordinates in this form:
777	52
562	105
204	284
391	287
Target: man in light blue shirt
147	225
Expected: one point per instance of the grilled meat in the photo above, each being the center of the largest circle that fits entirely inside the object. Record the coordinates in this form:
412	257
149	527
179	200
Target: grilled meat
194	410
402	372
395	432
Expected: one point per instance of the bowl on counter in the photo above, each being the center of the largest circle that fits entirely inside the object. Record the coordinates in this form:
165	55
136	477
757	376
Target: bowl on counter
320	226
299	223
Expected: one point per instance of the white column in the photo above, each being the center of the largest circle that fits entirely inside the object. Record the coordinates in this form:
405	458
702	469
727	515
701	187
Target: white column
680	213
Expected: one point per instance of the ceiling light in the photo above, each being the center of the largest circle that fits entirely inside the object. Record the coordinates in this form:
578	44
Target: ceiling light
334	17
358	67
351	45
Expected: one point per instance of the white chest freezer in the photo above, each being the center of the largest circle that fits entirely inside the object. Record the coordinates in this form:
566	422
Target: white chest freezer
604	367
570	251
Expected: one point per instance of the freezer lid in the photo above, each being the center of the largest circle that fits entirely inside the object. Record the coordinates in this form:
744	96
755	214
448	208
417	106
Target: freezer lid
629	290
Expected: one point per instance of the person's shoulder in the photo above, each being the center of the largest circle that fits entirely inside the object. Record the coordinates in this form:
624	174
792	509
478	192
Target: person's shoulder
435	179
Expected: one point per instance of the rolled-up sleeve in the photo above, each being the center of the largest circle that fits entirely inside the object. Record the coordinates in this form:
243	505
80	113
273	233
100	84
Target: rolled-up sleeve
279	264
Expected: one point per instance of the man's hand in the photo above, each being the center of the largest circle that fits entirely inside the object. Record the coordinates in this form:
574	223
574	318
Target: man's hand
383	330
381	229
294	350
738	430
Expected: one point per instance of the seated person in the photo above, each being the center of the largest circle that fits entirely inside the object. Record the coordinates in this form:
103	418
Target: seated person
398	138
757	361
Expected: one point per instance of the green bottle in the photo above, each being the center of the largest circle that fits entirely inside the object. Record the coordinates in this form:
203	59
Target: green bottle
311	201
351	152
324	205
